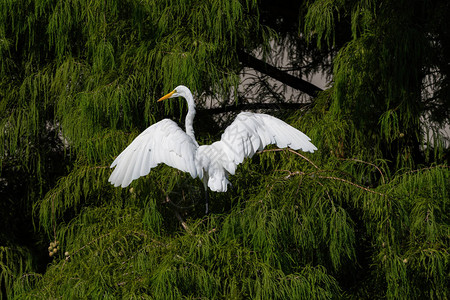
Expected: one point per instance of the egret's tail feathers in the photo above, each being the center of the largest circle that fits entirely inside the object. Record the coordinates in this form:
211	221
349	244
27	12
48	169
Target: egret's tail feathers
218	183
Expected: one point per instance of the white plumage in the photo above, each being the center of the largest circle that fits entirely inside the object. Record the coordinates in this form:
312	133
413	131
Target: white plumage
165	142
162	142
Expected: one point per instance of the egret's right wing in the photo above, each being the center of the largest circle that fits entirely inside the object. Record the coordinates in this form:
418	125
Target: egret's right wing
163	142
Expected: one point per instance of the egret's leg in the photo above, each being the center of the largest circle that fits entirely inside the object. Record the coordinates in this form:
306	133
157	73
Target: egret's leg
205	185
206	201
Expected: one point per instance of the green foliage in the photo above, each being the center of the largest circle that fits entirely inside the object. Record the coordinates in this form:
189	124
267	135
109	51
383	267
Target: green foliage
321	19
366	216
299	232
384	75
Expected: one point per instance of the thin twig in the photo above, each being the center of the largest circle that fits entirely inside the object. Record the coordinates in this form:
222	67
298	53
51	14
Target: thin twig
86	245
371	164
141	250
354	184
54	217
428	168
328	194
291	173
182	222
177	214
292	151
167	200
330	177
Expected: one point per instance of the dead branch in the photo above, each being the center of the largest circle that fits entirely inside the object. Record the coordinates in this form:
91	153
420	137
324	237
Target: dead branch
177	214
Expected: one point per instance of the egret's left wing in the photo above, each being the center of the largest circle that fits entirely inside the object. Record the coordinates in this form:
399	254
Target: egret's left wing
251	132
248	134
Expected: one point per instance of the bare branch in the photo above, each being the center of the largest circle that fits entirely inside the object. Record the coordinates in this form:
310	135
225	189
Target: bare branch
354	184
370	164
177	214
292	151
284	77
252	106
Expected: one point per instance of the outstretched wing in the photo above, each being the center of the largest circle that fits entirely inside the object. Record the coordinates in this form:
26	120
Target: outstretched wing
251	132
163	142
248	134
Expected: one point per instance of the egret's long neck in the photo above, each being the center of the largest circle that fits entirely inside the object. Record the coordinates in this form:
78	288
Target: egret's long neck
190	117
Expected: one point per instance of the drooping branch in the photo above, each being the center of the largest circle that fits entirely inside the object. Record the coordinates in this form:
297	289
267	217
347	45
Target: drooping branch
286	78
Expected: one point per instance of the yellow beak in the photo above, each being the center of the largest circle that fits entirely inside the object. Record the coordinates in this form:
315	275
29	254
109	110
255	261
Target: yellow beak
167	96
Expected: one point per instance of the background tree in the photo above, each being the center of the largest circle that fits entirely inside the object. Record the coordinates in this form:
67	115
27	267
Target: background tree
367	216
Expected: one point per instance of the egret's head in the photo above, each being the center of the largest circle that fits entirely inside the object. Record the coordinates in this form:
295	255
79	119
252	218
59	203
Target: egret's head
179	91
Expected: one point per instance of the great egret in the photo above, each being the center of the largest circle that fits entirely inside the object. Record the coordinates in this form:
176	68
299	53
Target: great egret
165	142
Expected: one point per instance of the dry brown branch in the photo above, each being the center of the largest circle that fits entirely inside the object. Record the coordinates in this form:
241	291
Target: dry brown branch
292	151
368	163
429	168
354	184
291	174
177	214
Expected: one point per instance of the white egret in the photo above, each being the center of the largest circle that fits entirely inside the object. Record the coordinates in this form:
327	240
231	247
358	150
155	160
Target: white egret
165	142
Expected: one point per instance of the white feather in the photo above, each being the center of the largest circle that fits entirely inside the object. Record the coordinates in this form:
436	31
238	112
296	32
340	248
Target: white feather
157	144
